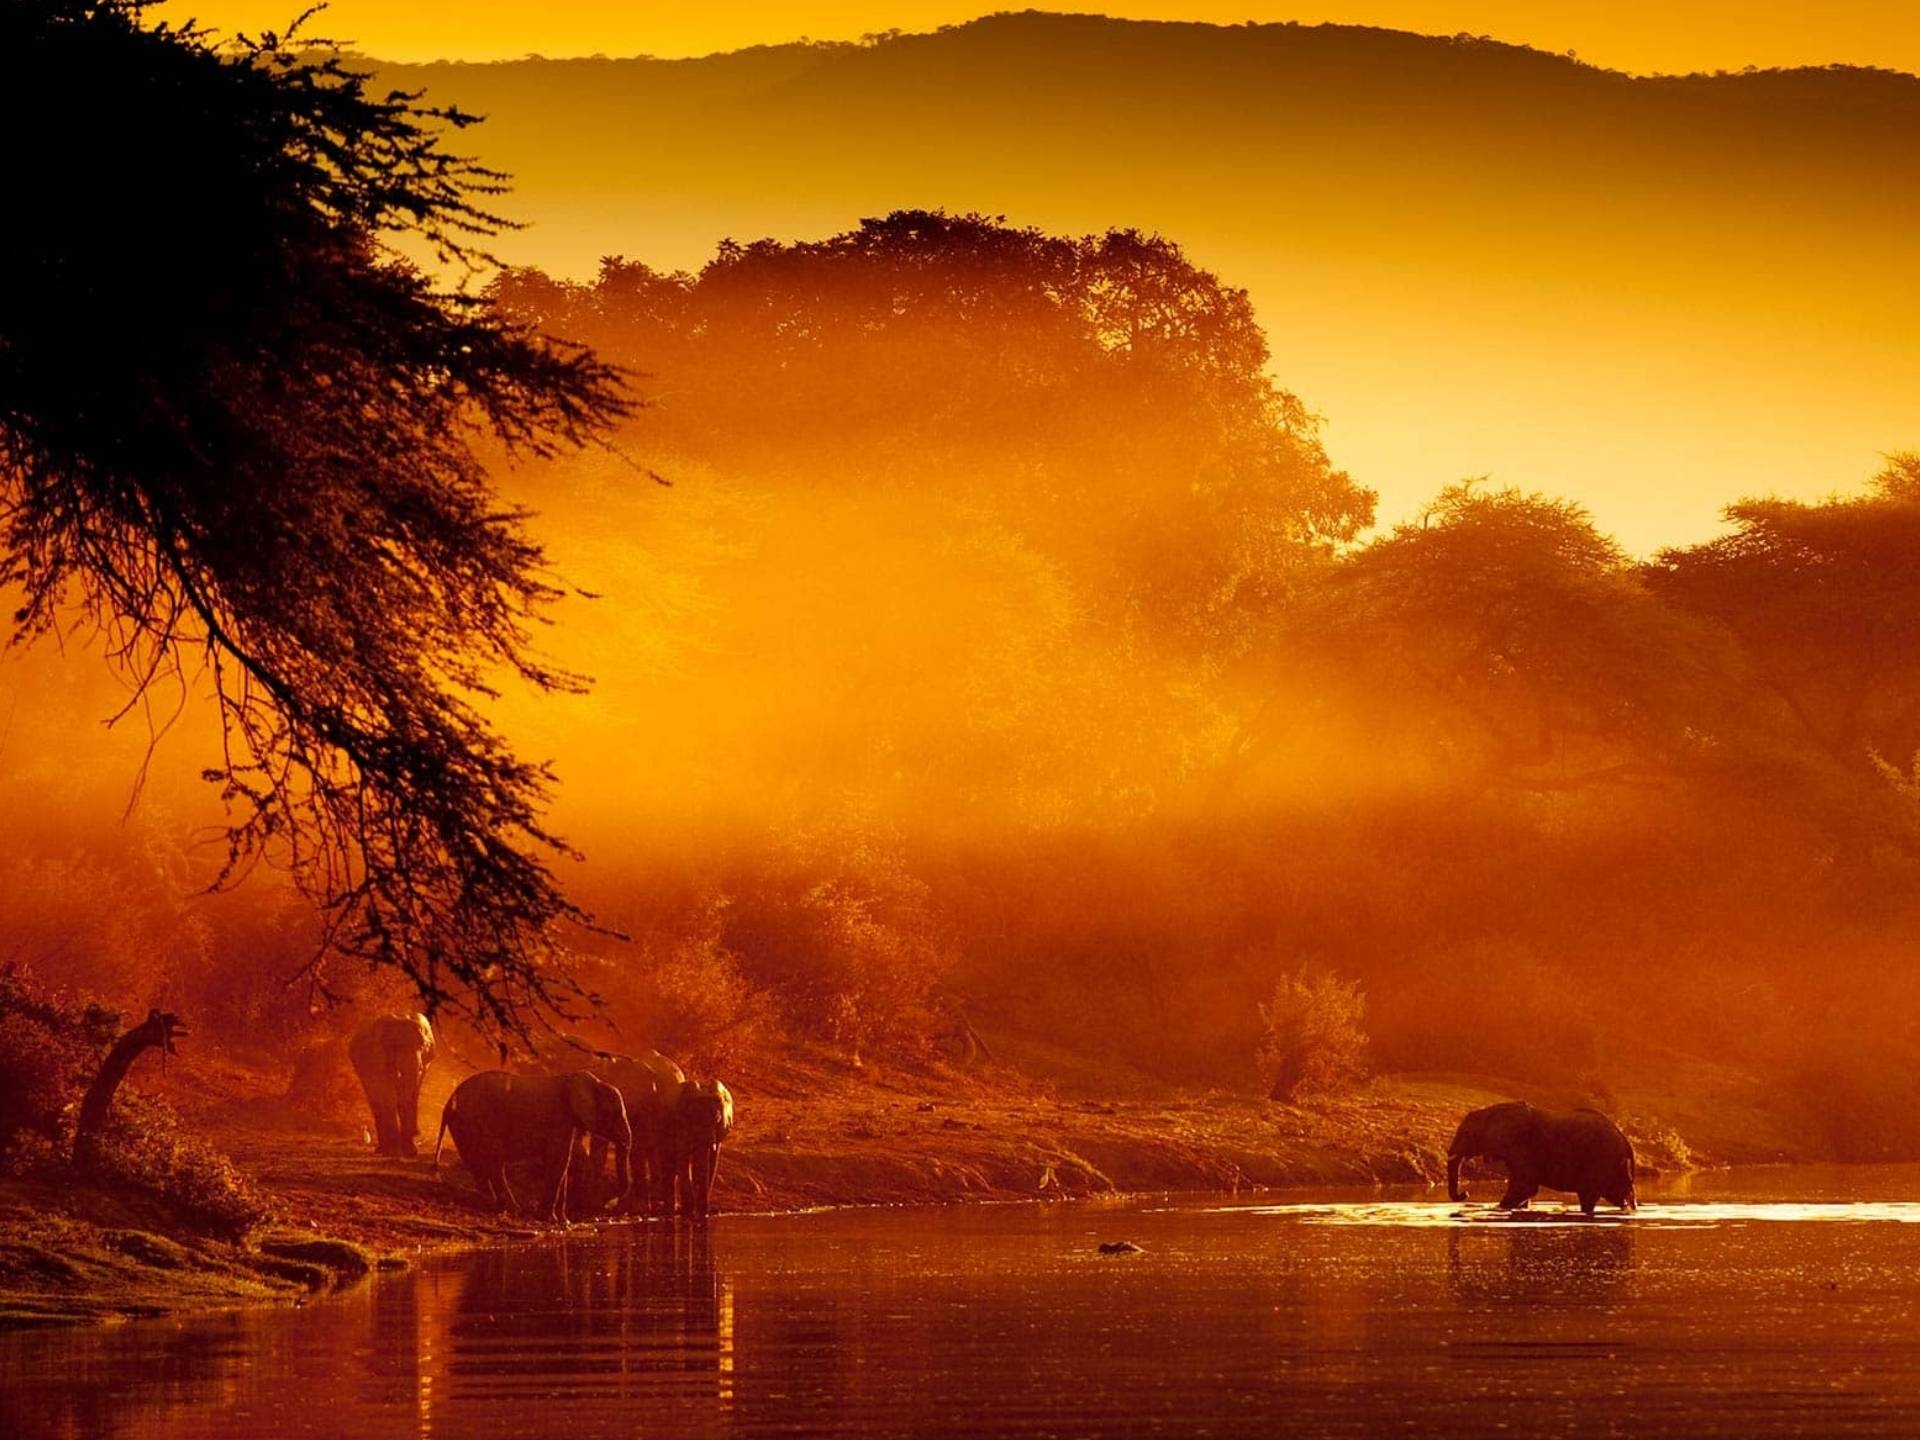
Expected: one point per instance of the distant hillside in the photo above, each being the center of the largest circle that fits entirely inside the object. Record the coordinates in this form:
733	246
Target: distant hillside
1653	294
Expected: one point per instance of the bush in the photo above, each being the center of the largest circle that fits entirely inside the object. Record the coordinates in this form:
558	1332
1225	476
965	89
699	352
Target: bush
50	1050
836	927
143	1148
691	1000
1313	1043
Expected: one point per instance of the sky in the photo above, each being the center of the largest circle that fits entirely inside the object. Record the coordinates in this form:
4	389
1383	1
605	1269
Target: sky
1637	35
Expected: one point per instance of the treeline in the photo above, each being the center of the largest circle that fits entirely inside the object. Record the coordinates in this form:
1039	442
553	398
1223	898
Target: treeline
1008	653
1077	633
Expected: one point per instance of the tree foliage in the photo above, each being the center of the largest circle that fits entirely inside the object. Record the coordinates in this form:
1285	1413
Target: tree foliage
1826	598
1313	1041
1102	393
1518	645
237	435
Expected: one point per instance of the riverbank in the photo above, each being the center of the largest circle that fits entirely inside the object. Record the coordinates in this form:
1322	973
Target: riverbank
812	1131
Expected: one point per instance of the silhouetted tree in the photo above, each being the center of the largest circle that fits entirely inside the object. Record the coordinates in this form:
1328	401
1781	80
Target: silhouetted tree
1517	644
1102	393
1825	596
236	435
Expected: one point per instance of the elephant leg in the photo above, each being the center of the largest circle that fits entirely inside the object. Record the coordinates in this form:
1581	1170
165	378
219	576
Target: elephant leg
593	1170
1588	1201
380	1103
663	1191
700	1182
508	1200
652	1176
663	1186
556	1204
644	1169
583	1189
1521	1187
407	1097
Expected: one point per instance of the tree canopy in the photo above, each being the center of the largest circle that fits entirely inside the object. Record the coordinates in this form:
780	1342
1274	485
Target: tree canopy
1102	393
1521	643
237	436
1826	597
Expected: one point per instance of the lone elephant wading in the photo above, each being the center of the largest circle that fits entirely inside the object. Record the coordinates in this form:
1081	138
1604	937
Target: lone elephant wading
1581	1151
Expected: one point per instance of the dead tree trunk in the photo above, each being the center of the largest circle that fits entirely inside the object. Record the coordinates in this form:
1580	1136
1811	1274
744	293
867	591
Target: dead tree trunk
159	1031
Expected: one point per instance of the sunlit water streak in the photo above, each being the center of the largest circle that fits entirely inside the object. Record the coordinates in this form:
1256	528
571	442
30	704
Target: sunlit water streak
1427	1215
1727	1307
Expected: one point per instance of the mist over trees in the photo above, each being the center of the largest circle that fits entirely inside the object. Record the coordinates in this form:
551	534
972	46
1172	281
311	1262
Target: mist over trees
1102	394
1008	653
1470	256
1559	814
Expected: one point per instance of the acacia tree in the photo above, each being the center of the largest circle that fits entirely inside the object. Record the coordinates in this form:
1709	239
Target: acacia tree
1825	596
237	436
1515	644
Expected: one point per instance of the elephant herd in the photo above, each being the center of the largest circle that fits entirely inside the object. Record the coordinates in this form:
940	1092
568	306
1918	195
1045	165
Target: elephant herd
664	1130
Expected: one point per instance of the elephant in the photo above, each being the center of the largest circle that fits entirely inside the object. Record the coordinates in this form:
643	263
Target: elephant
701	1117
648	1084
390	1054
1578	1150
498	1119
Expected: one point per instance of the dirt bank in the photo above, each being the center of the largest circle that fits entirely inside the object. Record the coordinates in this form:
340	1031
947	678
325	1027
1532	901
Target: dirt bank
812	1131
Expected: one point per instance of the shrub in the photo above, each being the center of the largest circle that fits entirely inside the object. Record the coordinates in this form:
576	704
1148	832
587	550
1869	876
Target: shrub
1313	1043
49	1050
691	1000
840	931
144	1149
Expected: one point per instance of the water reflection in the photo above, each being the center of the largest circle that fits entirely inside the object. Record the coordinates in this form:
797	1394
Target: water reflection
1426	1214
647	1319
1539	1265
79	1384
1352	1317
644	1321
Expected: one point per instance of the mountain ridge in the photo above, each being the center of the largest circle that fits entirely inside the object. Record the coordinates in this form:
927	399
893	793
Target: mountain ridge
1653	293
823	48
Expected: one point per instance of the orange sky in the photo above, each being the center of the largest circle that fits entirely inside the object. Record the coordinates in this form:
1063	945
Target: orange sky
1647	35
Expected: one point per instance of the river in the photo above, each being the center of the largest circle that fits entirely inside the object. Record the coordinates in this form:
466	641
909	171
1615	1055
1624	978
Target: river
1758	1303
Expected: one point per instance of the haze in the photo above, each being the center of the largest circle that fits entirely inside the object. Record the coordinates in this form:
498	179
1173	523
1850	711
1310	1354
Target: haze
1048	607
1651	296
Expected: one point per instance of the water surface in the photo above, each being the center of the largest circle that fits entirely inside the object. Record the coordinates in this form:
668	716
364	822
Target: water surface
1770	1303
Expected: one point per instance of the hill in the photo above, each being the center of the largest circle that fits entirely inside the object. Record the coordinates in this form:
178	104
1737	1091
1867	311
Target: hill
1649	293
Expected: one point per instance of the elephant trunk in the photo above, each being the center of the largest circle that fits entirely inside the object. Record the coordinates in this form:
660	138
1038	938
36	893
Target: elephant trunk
622	1171
1455	1191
